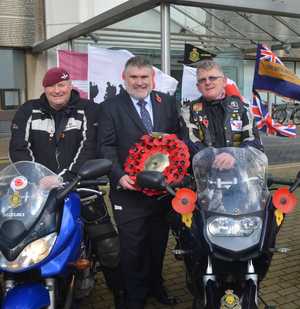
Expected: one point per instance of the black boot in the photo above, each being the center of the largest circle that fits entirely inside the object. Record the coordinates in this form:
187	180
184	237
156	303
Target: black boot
120	300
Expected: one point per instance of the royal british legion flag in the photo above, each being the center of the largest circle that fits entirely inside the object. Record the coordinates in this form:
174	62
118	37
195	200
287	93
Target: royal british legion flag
271	75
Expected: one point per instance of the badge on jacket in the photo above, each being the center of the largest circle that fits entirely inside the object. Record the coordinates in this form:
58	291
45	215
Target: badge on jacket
233	104
197	107
236	125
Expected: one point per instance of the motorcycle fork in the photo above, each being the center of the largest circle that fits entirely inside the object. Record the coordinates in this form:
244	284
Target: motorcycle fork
210	276
50	285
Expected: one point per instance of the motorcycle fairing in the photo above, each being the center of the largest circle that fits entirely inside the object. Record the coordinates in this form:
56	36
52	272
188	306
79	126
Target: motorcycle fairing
36	296
35	212
70	236
242	295
48	222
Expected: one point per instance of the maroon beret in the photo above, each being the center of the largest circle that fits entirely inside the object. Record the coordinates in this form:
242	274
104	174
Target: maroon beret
55	75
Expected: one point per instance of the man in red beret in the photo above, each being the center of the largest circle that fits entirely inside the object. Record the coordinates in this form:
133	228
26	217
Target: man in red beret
58	130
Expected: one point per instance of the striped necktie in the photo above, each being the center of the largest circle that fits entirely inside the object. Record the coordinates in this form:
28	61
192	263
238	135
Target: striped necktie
145	116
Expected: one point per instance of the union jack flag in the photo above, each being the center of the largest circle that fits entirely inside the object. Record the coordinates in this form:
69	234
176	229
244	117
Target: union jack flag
267	55
266	124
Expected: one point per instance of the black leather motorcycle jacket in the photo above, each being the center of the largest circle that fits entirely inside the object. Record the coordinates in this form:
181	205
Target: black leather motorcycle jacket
200	127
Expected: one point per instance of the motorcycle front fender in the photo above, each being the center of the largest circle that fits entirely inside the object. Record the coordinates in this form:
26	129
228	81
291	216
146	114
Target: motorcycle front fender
27	296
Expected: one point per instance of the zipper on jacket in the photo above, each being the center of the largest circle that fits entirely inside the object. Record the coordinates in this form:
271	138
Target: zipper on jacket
56	158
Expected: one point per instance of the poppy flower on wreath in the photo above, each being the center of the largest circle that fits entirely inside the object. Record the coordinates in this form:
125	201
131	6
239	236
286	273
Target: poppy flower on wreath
166	154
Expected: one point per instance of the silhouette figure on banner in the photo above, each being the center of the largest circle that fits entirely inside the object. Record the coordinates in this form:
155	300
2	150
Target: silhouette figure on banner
111	91
93	91
121	89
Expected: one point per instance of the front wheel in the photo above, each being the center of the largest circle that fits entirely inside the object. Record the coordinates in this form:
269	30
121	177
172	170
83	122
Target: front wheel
296	117
279	116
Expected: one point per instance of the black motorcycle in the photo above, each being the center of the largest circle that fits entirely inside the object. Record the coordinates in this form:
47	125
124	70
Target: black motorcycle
226	225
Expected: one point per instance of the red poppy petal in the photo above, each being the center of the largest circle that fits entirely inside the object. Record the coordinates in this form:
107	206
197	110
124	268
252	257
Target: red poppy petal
181	208
187	193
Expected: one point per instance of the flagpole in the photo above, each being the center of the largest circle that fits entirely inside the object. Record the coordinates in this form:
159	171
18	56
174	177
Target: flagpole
165	38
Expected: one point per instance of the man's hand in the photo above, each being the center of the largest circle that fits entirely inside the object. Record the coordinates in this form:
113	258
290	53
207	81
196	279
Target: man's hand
127	183
223	161
49	182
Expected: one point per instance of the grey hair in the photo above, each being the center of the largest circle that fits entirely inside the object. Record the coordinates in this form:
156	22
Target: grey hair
138	61
207	65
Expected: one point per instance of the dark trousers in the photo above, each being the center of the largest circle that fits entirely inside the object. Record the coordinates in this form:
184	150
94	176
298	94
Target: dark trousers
143	234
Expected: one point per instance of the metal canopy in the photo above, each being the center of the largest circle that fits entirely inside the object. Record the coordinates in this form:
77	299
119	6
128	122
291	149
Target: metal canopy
229	25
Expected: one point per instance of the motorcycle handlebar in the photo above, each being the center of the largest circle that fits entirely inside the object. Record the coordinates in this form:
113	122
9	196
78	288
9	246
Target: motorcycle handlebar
293	183
85	183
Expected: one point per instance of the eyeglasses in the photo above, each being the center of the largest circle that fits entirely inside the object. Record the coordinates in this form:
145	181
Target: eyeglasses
212	78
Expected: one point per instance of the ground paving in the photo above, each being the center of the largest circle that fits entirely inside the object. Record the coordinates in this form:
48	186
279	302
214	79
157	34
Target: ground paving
281	287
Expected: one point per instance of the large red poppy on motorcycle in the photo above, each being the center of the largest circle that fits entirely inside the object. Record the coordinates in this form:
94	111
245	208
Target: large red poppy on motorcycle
284	200
184	202
173	151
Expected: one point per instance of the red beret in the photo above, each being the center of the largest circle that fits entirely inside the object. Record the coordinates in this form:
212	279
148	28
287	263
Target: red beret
55	75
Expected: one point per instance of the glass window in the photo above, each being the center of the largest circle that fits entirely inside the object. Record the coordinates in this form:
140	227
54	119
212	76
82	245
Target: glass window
12	78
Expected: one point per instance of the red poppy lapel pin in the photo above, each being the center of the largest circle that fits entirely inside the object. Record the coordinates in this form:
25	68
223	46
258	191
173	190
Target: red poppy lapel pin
158	98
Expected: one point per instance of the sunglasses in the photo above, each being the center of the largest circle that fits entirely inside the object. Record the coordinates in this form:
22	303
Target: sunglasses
212	78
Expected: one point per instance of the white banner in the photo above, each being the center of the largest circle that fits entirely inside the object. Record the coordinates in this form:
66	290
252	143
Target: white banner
105	70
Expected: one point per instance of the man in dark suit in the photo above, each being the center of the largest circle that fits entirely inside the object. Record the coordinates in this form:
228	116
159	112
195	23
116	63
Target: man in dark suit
141	219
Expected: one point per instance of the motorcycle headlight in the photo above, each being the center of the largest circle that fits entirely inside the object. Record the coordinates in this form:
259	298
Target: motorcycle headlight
225	226
32	254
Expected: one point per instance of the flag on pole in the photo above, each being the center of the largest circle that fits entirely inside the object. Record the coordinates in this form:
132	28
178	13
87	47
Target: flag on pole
266	124
76	64
189	90
105	70
194	54
271	75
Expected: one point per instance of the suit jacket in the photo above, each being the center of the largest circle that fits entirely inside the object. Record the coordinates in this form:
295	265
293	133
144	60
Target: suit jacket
120	127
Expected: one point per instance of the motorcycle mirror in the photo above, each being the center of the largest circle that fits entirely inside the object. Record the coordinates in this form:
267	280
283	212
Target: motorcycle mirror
284	200
95	168
151	180
269	180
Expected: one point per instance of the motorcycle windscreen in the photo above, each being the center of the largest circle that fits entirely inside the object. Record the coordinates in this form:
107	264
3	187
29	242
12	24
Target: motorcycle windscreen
239	190
21	196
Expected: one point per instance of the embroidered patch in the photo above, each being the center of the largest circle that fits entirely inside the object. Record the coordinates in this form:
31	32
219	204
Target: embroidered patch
233	104
237	137
236	125
197	107
236	144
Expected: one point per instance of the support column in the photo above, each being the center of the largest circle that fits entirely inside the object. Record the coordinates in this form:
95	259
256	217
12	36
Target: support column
165	38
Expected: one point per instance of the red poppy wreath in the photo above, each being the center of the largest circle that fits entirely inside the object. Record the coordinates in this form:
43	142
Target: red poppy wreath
171	153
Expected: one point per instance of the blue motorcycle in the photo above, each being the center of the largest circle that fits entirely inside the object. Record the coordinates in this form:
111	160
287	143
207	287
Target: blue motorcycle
225	223
45	256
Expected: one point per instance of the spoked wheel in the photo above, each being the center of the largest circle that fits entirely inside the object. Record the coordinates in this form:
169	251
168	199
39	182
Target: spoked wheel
279	116
296	118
